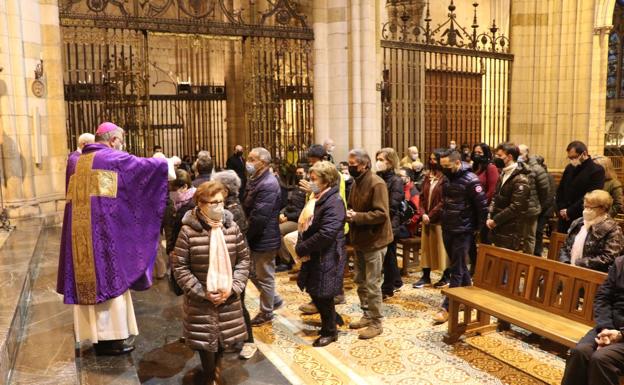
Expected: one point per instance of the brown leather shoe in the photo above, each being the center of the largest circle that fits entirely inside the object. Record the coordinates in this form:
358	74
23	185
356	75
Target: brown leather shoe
308	308
441	317
371	331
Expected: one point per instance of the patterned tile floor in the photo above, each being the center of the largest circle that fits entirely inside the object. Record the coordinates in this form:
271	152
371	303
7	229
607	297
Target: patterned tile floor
410	350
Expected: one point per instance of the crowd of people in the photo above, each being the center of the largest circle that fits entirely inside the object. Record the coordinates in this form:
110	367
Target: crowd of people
246	222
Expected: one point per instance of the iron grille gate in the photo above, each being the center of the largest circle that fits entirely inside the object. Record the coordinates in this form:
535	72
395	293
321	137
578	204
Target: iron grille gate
136	63
442	84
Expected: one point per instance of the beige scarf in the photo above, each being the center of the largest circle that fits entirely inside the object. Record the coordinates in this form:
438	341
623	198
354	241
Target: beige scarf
306	216
219	276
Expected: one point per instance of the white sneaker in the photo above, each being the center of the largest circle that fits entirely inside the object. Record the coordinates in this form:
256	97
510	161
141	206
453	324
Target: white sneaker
248	351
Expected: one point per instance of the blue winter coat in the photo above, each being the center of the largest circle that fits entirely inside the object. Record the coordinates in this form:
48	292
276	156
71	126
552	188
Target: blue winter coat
465	204
324	243
262	205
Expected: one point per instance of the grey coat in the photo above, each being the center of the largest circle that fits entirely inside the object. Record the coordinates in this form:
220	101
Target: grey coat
206	326
603	244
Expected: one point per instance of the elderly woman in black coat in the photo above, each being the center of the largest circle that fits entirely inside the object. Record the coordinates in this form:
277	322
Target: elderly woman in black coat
321	247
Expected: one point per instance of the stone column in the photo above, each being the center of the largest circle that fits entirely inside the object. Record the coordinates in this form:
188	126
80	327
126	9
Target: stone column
559	75
33	158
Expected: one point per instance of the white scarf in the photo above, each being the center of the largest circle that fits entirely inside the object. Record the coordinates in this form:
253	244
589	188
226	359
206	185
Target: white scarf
219	276
579	241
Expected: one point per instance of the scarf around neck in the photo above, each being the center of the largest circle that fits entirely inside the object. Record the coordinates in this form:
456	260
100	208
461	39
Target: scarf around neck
219	277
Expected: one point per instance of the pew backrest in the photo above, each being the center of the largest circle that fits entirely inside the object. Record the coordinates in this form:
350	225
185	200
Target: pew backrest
556	287
557	240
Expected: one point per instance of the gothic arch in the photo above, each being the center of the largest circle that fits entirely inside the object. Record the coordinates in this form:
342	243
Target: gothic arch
604	13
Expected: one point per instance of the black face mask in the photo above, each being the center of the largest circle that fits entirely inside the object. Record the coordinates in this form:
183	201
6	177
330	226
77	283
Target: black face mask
433	166
477	158
354	172
498	162
448	172
298	178
239	153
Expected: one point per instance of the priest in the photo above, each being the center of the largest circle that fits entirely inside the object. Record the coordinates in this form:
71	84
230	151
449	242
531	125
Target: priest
114	209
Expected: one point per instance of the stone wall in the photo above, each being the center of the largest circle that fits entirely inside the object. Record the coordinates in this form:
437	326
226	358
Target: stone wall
559	75
32	129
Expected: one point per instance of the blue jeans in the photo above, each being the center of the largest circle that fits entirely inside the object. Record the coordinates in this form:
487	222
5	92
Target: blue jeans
458	248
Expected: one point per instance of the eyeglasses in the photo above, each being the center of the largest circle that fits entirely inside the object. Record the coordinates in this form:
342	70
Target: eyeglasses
214	203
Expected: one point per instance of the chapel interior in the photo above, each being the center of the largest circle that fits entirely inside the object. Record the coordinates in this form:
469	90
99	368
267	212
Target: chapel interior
193	75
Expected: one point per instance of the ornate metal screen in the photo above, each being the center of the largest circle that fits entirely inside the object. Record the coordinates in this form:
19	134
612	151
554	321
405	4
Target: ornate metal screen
444	83
159	68
278	95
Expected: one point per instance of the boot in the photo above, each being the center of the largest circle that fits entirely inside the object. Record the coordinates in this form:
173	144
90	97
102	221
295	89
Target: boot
308	308
371	331
361	323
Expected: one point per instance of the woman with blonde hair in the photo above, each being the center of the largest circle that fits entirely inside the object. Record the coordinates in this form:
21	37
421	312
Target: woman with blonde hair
387	163
211	265
612	185
321	247
595	239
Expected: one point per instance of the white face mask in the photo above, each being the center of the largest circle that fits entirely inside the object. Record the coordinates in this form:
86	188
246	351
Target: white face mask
414	156
381	166
575	162
589	215
214	213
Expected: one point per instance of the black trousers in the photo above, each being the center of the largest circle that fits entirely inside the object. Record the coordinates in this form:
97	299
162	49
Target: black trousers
588	366
247	319
329	317
211	362
392	274
542	220
458	248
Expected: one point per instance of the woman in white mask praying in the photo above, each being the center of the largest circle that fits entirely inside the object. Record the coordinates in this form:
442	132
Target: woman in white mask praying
595	239
211	265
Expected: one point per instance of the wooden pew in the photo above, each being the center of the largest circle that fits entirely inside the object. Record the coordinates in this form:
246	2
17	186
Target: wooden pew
556	243
552	299
410	249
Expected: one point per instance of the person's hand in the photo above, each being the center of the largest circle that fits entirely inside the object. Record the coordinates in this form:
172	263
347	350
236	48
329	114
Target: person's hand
608	337
224	296
490	224
214	297
305	186
563	213
282	218
350	215
425	219
304	259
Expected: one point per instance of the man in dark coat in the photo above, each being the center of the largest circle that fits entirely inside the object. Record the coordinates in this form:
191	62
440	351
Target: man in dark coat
463	213
236	162
581	176
508	210
598	358
262	205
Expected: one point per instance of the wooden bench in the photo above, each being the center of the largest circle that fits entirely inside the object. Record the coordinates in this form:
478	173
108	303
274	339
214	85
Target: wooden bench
557	240
410	248
552	299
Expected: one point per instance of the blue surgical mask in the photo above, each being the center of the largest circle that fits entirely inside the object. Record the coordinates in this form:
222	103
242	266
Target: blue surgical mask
315	188
250	167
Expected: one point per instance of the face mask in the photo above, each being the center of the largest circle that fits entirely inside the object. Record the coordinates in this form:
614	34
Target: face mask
434	166
448	172
214	213
298	178
498	162
330	150
381	166
347	176
477	158
589	215
575	162
239	153
354	172
414	156
119	145
521	158
315	188
452	146
250	167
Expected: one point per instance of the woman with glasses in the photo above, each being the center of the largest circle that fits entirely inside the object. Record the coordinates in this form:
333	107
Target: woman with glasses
211	265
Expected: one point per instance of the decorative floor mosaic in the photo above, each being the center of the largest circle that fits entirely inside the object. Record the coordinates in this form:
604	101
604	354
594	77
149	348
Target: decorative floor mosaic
410	351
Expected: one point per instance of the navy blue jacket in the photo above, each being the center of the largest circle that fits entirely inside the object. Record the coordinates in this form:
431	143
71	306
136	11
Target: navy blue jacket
465	204
262	205
324	243
396	195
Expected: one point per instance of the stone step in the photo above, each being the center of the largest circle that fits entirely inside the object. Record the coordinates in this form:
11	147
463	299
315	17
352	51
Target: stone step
47	351
16	256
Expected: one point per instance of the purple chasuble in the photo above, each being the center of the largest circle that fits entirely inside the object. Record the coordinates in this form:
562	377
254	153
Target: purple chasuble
111	227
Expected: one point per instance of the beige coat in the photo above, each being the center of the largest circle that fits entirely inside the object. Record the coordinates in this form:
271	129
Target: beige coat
206	326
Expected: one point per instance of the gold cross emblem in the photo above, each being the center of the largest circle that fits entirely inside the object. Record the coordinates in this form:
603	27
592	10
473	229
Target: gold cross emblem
84	184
